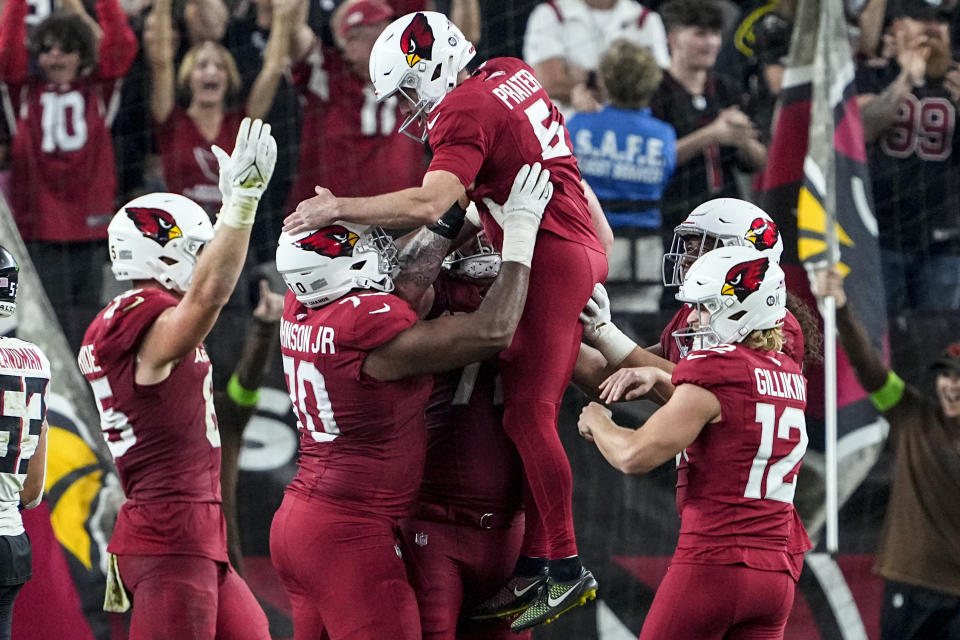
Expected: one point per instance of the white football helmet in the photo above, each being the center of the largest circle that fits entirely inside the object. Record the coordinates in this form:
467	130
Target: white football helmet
477	259
721	222
742	290
323	265
419	56
158	237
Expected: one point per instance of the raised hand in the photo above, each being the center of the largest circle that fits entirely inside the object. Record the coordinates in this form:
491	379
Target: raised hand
245	174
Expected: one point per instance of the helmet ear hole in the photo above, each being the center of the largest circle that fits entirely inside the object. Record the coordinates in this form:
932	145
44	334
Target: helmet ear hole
436	73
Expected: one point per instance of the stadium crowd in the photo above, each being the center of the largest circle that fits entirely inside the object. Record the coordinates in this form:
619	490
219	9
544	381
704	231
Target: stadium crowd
224	125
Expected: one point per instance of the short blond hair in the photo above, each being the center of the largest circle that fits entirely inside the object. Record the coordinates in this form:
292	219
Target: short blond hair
186	66
765	339
630	74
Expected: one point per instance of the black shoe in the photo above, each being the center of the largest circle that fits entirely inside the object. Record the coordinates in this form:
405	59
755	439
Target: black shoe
556	599
512	598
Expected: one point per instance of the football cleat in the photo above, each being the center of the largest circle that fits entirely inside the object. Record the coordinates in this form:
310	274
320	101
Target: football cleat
512	598
555	599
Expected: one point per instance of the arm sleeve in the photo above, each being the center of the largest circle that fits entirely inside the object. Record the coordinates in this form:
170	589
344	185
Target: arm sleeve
543	38
118	47
13	34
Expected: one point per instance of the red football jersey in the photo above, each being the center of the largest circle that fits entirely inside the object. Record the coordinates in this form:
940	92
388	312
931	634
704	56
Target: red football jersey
163	437
362	441
470	460
496	121
62	155
736	481
792	334
189	167
349	142
61	158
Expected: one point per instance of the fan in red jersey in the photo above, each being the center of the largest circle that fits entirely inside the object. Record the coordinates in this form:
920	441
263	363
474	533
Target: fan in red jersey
734	420
151	377
481	129
359	367
62	156
208	76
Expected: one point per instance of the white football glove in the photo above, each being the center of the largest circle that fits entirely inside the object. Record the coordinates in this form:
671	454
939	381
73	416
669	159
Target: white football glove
599	331
521	214
245	174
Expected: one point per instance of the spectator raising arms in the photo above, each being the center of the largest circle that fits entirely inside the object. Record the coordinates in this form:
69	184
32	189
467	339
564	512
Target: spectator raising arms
61	159
209	80
919	549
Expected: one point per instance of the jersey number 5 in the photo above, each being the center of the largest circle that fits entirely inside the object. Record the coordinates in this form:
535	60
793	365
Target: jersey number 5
550	133
776	467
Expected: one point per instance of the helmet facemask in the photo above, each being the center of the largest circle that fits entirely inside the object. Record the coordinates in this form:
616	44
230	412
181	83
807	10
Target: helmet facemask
476	260
9	280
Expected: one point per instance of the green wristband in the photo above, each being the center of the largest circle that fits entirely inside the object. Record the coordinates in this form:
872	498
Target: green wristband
241	396
887	396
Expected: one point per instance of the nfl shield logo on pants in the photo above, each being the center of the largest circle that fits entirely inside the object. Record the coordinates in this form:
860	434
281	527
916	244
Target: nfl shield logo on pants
420	539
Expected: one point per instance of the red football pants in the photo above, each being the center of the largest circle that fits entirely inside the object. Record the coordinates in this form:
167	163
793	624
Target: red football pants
190	597
536	370
719	602
454	567
343	572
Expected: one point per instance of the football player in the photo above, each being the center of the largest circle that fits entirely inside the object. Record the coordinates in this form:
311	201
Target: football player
359	367
481	129
734	420
24	381
464	534
151	377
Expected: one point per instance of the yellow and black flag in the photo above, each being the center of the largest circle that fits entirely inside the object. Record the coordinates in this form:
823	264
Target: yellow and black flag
817	188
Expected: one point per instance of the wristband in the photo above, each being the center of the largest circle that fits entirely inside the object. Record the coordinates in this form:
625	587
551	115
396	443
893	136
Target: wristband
240	396
614	344
239	211
519	237
889	395
450	223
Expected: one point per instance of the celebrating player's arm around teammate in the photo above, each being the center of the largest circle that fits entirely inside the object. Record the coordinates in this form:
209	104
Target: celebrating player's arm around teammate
481	129
735	418
24	381
144	358
359	367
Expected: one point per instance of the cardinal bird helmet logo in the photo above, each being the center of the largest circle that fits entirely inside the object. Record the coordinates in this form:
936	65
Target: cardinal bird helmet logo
744	278
334	242
417	40
763	234
156	224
